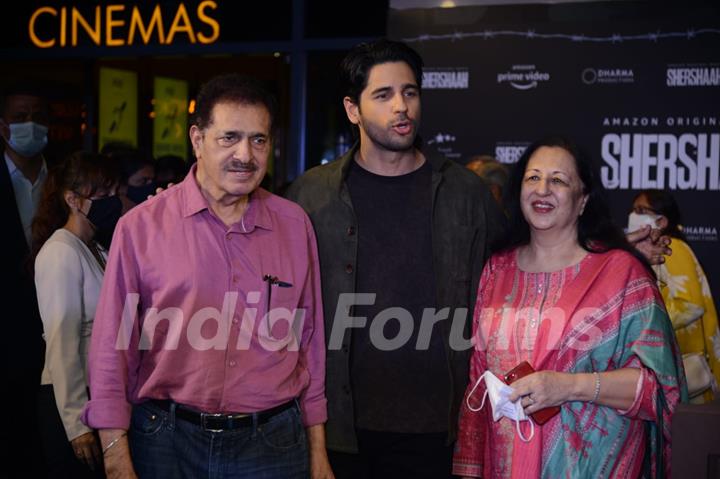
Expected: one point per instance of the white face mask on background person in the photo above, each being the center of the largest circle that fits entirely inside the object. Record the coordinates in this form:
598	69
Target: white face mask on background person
637	221
499	394
27	138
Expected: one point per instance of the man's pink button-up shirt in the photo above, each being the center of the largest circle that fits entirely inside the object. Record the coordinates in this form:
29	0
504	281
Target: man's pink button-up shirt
194	298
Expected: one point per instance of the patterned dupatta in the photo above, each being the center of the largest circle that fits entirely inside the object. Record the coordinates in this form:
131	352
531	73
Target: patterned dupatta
616	320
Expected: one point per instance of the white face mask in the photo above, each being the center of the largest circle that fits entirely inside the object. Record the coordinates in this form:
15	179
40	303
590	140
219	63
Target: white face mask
499	393
28	138
637	221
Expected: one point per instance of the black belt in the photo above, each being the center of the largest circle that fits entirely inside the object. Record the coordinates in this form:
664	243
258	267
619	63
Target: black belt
222	422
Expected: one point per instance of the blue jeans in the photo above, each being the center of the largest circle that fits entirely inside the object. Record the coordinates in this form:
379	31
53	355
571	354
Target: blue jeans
163	446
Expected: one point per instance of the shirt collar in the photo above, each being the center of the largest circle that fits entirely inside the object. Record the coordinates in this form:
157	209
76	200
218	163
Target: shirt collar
43	171
256	215
437	162
14	170
192	198
11	166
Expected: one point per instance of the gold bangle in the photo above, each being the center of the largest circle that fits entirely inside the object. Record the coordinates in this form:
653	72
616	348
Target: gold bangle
113	442
597	388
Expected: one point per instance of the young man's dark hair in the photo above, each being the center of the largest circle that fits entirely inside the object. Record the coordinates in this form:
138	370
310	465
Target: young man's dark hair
355	67
233	88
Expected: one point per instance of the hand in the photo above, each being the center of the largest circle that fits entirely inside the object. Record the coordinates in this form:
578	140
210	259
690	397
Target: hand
87	450
319	462
651	243
543	389
160	189
320	466
118	464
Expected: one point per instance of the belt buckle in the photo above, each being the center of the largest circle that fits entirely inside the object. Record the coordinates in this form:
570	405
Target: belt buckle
203	418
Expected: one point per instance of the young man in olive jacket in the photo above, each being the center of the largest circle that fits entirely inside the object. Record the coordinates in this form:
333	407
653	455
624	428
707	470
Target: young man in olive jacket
408	235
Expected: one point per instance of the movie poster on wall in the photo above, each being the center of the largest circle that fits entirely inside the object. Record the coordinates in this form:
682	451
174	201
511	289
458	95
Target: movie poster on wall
118	107
641	96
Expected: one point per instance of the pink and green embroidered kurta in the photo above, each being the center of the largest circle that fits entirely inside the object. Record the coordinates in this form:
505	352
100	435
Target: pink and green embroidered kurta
601	314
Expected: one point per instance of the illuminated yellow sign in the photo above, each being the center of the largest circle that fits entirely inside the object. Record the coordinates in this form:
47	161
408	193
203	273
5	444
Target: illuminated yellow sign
118	107
170	120
112	26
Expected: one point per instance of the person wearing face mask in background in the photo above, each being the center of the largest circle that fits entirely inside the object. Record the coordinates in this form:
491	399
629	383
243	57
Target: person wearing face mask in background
137	173
75	219
170	170
570	296
23	129
686	293
494	173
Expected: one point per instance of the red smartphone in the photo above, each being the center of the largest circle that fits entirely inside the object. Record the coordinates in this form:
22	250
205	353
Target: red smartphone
521	370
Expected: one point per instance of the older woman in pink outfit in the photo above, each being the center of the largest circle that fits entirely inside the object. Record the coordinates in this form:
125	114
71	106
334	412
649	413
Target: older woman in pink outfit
573	299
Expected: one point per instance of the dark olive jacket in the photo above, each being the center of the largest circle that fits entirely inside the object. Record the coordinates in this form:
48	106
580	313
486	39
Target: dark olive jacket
465	221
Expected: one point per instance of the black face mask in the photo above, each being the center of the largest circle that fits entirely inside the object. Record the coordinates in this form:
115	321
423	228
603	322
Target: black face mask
138	194
104	214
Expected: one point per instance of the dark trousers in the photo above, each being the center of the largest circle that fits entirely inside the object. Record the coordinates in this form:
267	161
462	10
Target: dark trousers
59	456
396	455
22	356
164	446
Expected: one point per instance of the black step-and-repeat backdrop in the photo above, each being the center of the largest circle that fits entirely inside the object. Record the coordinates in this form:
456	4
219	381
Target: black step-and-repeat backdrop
641	94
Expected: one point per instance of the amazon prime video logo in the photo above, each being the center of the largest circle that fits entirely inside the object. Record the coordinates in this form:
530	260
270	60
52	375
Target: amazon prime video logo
523	77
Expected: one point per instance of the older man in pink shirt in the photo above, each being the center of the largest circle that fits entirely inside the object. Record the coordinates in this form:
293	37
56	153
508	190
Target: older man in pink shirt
208	354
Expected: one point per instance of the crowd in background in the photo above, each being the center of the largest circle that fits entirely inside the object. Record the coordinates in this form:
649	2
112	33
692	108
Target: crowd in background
539	235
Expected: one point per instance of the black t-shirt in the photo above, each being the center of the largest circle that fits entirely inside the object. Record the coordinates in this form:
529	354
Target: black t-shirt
402	389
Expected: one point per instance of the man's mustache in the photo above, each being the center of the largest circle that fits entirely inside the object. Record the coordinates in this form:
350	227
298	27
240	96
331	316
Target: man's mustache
242	166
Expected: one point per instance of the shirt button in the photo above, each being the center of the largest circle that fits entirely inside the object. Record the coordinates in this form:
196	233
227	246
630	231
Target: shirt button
351	230
345	349
346	389
232	363
349	268
235	320
235	279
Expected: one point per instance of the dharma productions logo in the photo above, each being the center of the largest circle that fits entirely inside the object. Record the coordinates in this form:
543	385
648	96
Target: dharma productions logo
607	76
700	233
